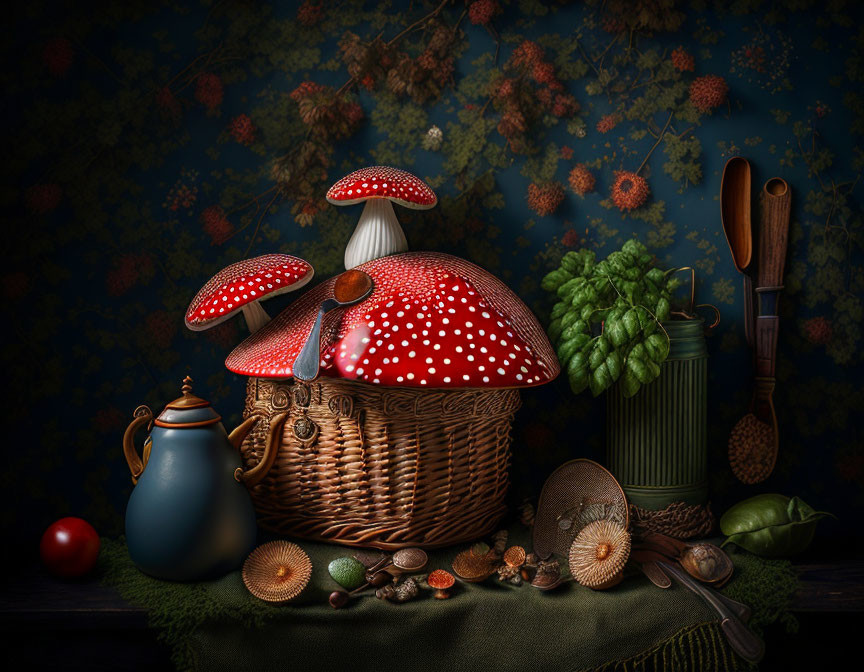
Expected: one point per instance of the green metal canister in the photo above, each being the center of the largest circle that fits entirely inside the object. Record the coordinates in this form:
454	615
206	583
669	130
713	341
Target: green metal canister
657	439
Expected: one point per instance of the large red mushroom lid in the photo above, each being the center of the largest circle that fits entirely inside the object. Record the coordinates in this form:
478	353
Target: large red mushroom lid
240	286
432	320
398	186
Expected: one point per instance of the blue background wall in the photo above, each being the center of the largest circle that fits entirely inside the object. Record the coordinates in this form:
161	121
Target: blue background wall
152	146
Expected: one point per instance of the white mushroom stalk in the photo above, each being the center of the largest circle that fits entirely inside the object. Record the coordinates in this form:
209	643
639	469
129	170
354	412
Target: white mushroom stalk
378	234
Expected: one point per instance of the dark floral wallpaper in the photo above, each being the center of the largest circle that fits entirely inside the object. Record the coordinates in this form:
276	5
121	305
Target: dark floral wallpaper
151	144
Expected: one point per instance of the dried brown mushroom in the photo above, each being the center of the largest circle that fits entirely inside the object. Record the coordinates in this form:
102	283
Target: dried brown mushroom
277	571
599	553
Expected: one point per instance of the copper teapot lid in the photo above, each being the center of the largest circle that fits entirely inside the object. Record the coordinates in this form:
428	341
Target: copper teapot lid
188	410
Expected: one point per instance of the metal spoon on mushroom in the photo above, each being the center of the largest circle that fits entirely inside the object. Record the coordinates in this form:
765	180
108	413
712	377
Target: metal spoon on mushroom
351	287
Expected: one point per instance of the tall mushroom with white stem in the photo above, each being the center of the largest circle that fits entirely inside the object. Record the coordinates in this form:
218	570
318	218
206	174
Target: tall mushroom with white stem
378	232
240	287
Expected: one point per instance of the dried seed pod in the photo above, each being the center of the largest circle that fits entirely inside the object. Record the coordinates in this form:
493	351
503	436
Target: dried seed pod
407	590
473	568
277	571
510	574
527	513
388	592
499	542
599	553
548	575
515	556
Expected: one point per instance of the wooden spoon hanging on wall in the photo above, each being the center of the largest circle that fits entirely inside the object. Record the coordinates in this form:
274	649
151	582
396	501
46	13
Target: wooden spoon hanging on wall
754	442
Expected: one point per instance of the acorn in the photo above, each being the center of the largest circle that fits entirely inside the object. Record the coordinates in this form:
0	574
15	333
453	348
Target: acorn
598	554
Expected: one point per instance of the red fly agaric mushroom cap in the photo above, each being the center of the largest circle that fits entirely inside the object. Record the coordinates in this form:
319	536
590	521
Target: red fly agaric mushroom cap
432	320
396	185
440	579
244	282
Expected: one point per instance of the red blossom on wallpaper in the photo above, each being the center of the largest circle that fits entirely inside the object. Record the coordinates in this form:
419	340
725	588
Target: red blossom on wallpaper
682	60
40	199
482	12
216	224
124	275
570	238
629	191
106	420
242	129
566	152
565	105
225	335
545	199
708	92
168	105
607	122
310	13
581	180
58	56
527	53
209	91
818	330
161	327
15	286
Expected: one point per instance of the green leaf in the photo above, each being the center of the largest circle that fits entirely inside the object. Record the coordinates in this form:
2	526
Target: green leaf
614	364
630	321
555	279
629	383
616	332
554	330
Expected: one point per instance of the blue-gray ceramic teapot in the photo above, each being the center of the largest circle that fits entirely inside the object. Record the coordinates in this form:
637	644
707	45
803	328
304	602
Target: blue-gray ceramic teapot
190	516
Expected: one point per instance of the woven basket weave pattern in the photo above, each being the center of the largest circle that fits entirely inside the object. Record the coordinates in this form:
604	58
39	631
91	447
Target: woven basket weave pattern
381	466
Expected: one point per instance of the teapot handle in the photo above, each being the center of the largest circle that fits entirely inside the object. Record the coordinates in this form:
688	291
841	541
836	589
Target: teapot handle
254	475
142	415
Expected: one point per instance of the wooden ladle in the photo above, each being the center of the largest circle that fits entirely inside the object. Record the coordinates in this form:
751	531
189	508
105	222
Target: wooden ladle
351	287
736	220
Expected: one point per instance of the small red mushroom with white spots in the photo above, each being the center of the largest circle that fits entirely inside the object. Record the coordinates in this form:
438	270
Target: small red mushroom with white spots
242	285
432	320
378	232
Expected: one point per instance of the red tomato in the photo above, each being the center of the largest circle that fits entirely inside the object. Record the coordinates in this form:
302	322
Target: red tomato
69	548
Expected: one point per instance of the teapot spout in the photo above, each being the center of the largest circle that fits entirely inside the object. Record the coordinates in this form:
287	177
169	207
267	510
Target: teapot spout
236	437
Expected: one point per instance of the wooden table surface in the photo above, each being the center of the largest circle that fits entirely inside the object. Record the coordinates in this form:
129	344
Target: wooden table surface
48	623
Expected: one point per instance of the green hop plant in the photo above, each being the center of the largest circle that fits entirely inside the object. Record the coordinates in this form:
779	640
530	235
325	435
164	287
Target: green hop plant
623	299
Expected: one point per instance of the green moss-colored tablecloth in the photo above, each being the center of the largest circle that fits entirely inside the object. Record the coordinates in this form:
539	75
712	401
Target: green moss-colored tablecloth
218	625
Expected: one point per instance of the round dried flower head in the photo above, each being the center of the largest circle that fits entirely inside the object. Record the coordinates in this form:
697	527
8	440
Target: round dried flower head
481	12
277	571
599	553
545	199
629	191
818	330
682	60
708	92
582	180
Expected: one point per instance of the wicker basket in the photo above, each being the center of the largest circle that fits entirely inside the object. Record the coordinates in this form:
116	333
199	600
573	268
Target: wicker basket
379	466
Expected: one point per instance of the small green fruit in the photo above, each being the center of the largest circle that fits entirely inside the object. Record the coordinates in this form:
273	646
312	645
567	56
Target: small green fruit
347	572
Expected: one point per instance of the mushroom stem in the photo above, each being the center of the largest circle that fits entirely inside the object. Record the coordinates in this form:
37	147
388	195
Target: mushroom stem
255	316
378	234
